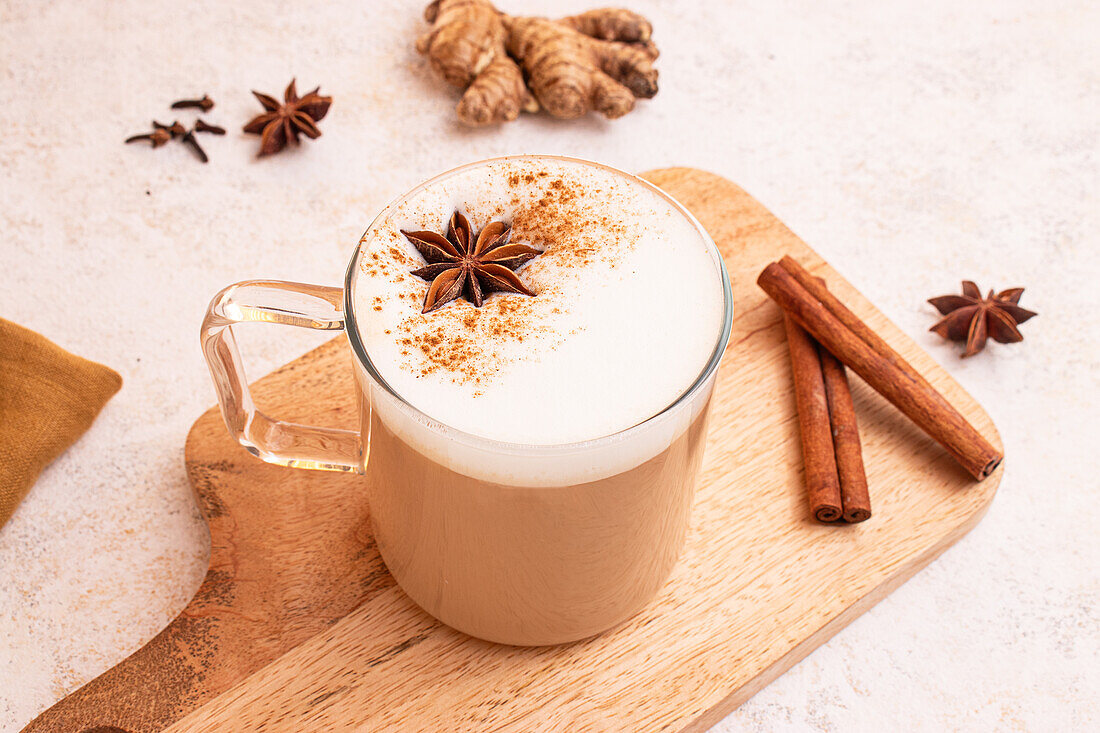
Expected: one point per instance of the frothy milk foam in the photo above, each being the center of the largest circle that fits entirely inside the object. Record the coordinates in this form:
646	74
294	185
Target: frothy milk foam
628	310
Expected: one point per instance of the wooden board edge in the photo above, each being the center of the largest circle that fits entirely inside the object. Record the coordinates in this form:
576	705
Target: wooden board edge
717	712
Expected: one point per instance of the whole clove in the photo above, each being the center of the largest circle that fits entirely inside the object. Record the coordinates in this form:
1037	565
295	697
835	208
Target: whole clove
201	126
189	140
205	104
157	137
175	129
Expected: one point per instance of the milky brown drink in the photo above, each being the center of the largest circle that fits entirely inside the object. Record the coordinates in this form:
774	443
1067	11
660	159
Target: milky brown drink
532	460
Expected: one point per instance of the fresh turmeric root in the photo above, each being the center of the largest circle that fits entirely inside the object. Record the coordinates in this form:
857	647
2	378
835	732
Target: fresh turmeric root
600	60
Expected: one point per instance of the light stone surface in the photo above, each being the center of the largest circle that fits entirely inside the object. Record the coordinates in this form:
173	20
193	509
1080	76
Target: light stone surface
911	143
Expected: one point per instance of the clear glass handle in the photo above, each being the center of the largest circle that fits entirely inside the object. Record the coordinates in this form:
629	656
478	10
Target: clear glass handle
274	441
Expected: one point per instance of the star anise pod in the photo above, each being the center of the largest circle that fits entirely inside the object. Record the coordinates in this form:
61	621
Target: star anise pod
282	123
971	318
461	264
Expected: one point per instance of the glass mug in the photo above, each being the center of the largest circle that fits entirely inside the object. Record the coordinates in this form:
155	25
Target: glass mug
522	560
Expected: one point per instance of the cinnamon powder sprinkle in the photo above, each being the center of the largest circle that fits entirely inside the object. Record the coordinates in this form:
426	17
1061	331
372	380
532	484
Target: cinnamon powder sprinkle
469	344
468	341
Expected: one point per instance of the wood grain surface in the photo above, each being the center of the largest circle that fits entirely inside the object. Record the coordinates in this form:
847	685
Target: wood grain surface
298	626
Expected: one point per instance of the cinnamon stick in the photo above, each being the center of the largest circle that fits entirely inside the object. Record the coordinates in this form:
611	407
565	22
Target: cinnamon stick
854	497
822	480
812	306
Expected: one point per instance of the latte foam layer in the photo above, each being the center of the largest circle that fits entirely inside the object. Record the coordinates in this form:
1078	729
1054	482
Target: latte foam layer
628	310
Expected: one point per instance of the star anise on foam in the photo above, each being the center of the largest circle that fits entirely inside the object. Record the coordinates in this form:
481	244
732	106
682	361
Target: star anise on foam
971	318
281	123
462	264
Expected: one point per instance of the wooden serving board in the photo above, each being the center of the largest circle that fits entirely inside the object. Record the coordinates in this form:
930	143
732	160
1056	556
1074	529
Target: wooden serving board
298	625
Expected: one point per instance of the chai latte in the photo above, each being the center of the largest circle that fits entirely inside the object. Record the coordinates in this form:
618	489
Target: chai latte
532	461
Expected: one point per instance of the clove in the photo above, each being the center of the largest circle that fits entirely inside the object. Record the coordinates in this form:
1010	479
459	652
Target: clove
201	126
189	140
206	103
157	137
175	129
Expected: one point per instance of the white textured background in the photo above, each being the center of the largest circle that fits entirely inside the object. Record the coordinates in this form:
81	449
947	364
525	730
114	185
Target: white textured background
911	143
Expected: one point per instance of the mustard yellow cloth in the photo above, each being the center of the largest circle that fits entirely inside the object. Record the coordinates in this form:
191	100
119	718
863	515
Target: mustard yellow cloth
48	398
